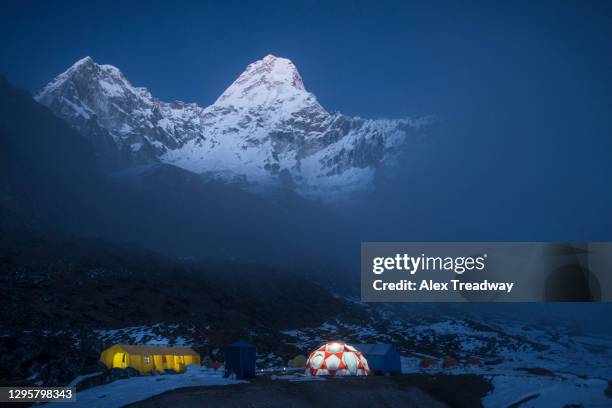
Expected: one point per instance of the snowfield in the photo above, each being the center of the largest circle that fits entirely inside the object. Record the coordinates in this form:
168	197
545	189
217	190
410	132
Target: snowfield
122	392
530	391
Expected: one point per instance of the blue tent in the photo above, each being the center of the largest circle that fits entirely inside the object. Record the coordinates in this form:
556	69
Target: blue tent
240	359
382	358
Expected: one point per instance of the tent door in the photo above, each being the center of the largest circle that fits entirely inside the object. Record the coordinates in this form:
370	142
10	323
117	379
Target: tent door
120	360
179	363
159	363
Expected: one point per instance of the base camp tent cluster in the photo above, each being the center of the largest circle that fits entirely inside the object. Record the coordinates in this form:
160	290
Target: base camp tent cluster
334	358
147	359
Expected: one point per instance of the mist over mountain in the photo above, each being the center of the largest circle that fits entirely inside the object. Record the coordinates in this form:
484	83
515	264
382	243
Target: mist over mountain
52	183
265	132
50	178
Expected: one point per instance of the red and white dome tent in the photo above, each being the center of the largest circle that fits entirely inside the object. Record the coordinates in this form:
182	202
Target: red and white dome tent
337	358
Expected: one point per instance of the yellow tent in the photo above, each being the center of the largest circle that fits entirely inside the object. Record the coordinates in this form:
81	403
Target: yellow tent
146	359
298	361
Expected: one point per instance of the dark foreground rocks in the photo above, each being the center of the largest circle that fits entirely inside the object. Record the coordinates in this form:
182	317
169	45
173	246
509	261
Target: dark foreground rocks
423	391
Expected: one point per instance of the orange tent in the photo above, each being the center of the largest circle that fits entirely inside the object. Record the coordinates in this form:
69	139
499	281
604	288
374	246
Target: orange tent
450	363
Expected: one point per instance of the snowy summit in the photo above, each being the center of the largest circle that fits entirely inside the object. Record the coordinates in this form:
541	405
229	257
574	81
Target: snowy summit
266	82
265	131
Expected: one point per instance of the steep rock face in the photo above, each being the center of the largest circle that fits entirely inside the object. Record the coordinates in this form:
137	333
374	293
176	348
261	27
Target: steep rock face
266	130
125	124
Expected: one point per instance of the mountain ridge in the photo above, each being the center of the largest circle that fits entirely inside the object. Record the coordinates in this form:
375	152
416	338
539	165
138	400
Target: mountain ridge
264	131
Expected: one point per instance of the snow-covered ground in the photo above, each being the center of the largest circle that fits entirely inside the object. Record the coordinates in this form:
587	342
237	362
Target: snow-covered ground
123	392
568	372
541	389
544	392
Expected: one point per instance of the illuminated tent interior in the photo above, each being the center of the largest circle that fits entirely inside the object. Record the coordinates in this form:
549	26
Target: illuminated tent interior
146	359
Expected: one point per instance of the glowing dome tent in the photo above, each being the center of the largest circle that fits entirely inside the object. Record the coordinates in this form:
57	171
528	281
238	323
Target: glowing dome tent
337	358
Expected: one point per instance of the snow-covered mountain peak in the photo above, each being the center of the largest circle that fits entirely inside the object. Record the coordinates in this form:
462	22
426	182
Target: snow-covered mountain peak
266	130
85	74
271	80
83	61
82	64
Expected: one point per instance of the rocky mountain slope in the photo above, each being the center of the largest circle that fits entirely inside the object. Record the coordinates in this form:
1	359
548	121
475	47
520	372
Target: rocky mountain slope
266	130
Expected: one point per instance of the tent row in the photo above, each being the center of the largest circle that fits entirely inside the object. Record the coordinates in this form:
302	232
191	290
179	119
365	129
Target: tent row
333	358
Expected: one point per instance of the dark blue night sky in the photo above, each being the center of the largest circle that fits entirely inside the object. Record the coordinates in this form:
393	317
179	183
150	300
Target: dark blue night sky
363	58
523	90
